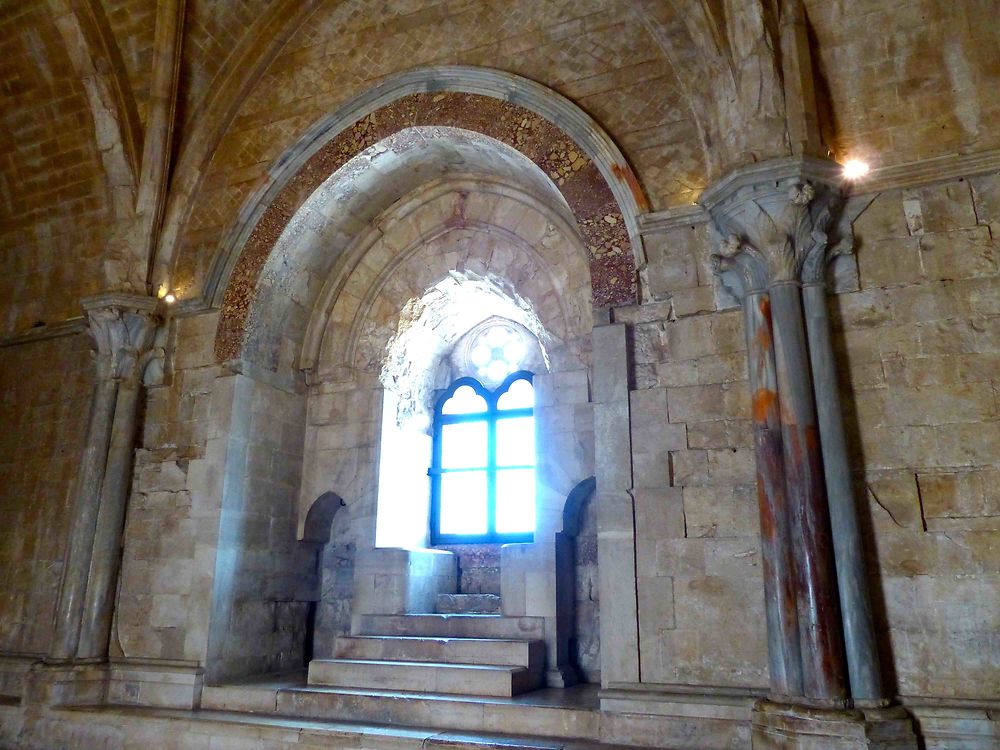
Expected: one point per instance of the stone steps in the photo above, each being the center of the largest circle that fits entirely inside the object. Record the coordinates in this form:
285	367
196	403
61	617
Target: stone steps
451	626
468	604
548	715
521	653
116	726
465	654
465	679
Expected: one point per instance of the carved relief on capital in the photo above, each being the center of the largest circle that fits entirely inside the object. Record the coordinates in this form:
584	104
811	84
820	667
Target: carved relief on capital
123	328
776	231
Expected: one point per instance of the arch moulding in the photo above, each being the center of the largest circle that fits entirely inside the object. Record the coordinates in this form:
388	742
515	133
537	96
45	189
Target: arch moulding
564	142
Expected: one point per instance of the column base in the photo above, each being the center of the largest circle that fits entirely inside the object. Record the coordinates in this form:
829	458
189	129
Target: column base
563	676
66	684
782	726
155	684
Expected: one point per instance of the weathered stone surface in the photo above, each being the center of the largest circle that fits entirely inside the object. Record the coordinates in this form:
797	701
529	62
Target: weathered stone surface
780	727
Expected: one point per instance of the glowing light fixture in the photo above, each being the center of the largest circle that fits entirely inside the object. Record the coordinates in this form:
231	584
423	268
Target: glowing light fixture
169	298
855	169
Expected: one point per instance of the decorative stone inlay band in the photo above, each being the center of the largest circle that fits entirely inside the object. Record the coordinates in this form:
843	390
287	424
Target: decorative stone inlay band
598	216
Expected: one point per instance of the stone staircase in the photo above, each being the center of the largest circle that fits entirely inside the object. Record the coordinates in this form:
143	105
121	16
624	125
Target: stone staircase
466	648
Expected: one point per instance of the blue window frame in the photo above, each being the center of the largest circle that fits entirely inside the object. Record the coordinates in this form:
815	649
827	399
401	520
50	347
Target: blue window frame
483	462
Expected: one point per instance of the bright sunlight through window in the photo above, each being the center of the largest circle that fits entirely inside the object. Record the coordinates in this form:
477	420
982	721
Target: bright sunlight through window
483	469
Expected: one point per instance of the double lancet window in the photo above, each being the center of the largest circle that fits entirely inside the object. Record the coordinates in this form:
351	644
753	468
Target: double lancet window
483	465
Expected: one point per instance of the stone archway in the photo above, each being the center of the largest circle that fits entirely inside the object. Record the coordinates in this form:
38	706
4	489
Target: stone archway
332	253
562	142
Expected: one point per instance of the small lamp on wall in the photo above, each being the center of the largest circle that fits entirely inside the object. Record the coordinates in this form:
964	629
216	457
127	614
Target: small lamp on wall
855	169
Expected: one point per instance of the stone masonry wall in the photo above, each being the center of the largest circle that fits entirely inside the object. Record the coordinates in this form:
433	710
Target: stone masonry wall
45	390
171	526
585	646
700	602
210	562
264	578
336	593
920	346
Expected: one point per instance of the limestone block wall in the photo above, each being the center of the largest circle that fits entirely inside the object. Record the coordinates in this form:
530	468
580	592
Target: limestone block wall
698	579
585	646
212	574
341	453
920	342
264	579
45	389
172	521
565	427
336	593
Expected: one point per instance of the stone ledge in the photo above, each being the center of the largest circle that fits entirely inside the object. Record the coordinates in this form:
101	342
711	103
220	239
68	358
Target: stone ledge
778	726
677	716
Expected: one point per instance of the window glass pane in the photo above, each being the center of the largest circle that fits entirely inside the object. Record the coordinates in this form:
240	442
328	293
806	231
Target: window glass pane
463	503
515	501
464	400
463	445
516	441
520	395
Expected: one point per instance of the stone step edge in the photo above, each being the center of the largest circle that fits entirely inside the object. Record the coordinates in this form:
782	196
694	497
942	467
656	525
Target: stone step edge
359	621
382	693
442	638
341	729
423	664
466	594
389	706
456	615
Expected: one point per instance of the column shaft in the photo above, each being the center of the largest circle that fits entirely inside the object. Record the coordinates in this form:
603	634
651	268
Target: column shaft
819	619
852	579
99	603
784	659
86	504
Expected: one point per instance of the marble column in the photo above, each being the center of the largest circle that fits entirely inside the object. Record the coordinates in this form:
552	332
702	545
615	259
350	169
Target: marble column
784	658
774	221
852	576
122	327
772	216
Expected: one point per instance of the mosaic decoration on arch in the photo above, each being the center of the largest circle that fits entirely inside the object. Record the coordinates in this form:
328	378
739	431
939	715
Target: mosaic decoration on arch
598	217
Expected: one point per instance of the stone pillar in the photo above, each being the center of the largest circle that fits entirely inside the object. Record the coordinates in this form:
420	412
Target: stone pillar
820	641
784	658
615	506
774	218
122	327
852	580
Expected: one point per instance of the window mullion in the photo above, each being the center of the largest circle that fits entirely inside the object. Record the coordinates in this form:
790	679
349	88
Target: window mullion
491	468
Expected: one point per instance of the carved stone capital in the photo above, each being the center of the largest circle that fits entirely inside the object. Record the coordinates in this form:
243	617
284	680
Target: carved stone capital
777	222
123	327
